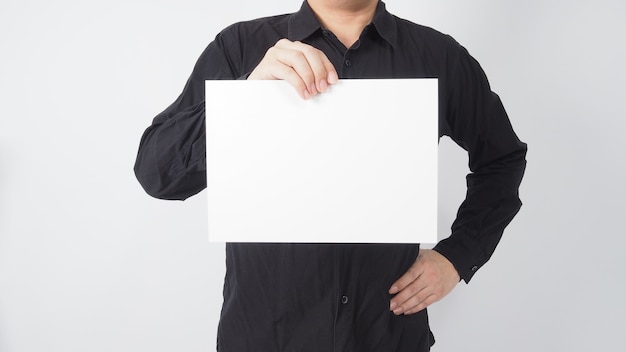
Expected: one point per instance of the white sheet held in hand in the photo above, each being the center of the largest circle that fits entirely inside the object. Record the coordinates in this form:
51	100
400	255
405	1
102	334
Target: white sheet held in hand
356	164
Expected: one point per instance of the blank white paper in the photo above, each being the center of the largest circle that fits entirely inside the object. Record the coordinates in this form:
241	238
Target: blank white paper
356	164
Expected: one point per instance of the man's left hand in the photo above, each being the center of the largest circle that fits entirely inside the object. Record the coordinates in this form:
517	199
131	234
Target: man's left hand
428	280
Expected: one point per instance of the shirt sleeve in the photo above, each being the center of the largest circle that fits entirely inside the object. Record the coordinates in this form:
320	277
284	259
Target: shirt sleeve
171	161
476	120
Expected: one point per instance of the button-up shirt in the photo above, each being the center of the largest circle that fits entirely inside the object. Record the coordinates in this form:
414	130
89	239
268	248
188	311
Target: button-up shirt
334	297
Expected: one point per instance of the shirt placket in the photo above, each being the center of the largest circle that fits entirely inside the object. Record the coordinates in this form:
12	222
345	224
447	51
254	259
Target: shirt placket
344	302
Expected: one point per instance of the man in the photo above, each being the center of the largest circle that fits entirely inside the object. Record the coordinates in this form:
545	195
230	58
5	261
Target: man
323	297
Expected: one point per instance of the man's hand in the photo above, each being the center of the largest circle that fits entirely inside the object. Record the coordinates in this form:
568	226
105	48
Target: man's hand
307	69
427	281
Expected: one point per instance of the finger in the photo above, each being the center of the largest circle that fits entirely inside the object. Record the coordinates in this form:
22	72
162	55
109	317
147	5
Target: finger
409	296
285	64
298	62
323	69
324	72
299	56
292	77
422	305
405	280
295	70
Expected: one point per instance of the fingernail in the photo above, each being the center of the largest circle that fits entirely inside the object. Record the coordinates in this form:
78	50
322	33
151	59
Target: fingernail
313	89
323	85
306	94
393	305
397	311
332	77
393	289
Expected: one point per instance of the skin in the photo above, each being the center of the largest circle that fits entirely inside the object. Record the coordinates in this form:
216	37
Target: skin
310	72
428	280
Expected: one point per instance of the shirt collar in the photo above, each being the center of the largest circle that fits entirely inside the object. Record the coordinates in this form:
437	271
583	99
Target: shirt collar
385	24
304	23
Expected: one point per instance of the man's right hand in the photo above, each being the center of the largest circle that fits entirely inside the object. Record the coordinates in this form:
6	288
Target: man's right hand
306	68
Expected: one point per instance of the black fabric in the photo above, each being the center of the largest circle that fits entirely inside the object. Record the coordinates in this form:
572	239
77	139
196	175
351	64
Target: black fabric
288	297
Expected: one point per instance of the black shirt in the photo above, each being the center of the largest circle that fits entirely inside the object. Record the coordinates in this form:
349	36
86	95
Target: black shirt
323	297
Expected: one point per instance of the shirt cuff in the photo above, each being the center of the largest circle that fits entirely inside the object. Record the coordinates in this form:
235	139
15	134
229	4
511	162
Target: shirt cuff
463	253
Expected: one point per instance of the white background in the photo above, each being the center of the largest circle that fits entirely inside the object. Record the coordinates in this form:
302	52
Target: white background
88	262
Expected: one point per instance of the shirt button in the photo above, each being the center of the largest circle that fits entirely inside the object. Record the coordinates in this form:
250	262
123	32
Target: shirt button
348	63
474	268
344	299
325	33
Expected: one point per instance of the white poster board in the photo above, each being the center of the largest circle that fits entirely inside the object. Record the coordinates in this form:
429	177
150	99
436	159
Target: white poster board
356	164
